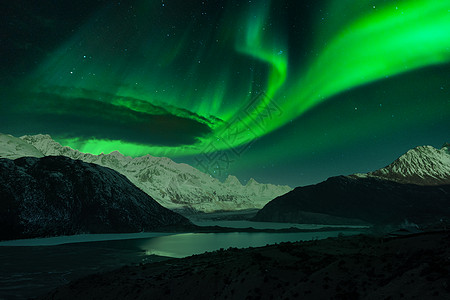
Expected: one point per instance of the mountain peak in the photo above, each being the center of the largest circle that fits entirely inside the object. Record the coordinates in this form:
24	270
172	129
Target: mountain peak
116	154
232	180
37	137
251	182
422	165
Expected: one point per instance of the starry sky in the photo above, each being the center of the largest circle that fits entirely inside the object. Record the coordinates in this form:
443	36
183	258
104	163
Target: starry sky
287	92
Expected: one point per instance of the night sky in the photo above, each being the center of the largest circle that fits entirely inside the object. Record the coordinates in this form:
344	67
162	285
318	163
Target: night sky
287	92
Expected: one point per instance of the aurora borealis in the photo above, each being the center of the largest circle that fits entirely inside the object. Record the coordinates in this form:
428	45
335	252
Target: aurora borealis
283	91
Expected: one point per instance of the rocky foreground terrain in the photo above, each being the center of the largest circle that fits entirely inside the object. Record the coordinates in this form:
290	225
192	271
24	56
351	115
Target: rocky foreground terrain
359	267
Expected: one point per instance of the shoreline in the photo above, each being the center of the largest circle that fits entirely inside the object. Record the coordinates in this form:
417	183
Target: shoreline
346	267
98	237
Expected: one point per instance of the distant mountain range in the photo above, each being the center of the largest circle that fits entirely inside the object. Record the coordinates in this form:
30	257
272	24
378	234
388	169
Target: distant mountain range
415	187
56	195
175	186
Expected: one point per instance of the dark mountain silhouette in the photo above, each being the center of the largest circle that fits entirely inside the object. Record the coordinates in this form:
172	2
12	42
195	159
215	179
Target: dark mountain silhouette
348	200
56	195
415	187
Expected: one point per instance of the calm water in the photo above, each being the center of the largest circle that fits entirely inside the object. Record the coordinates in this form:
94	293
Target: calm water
268	225
37	266
182	245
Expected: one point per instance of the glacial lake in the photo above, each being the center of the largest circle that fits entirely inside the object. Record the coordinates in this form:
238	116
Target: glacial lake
30	268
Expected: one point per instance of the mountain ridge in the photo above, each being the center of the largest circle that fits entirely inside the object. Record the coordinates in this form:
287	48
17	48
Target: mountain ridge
176	186
415	187
422	165
12	148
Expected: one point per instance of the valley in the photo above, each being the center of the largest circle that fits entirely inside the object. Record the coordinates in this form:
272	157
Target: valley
55	247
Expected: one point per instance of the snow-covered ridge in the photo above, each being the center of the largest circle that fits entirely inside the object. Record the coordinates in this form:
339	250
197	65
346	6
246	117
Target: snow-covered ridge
423	165
12	148
173	185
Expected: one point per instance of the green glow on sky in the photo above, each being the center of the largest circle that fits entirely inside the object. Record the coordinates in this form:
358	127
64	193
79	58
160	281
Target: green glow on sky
98	146
397	39
215	79
255	44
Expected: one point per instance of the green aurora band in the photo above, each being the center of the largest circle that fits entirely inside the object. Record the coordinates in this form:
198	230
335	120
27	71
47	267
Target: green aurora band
389	40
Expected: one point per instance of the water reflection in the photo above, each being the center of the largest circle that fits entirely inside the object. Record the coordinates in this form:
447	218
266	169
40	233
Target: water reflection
182	245
269	225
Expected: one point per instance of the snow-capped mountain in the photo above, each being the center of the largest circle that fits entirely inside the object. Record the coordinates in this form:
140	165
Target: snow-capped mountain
12	148
56	195
415	187
423	165
173	185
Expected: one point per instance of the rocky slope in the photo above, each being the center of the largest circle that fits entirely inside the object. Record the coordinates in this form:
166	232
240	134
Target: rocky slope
173	185
52	196
415	187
